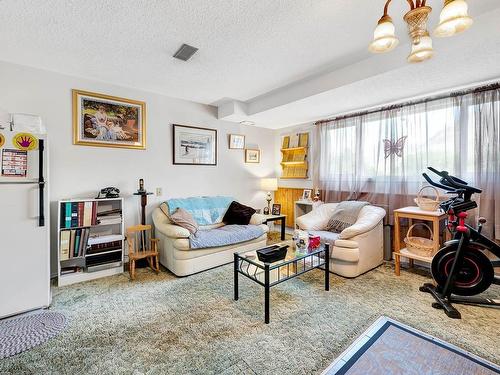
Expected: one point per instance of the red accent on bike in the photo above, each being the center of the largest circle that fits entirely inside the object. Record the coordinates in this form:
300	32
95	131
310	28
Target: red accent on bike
462	229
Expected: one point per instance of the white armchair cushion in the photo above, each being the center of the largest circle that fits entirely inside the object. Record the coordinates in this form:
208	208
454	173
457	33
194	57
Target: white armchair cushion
368	219
257	219
318	218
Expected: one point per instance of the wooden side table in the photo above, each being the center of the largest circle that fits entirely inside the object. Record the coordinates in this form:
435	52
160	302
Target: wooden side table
415	213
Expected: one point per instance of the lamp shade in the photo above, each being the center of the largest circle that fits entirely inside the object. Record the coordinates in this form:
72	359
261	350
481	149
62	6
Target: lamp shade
454	19
269	184
421	51
384	37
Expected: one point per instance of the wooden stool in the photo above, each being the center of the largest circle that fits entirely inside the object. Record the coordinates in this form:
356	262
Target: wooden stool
139	247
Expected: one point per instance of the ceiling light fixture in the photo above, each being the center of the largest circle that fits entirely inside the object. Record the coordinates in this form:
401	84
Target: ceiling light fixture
453	20
247	123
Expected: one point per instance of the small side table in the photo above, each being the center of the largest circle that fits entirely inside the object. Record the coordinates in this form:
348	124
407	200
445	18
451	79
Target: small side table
415	213
281	218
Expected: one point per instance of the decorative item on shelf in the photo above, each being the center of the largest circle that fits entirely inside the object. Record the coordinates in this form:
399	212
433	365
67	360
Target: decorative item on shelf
276	209
194	146
306	195
108	121
265	211
419	245
314	242
109	192
316	195
301	241
453	20
425	203
252	156
269	185
236	141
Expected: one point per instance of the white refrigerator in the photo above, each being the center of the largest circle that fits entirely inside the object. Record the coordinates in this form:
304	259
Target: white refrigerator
24	216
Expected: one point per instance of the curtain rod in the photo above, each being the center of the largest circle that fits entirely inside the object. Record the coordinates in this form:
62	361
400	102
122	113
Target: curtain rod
490	87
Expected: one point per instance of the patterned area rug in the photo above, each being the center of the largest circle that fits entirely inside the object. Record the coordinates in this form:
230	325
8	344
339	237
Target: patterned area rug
20	334
392	348
160	324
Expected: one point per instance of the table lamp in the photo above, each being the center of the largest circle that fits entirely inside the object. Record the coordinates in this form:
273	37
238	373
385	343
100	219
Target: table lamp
269	184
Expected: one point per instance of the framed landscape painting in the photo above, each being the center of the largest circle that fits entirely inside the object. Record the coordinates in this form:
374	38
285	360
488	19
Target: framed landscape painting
236	141
108	121
252	156
194	146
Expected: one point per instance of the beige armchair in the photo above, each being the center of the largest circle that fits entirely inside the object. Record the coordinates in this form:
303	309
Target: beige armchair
355	250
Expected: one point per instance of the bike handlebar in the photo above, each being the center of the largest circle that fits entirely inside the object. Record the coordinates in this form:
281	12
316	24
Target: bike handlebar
450	182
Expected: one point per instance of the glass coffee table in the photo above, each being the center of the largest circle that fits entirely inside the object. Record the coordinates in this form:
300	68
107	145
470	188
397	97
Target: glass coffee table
271	274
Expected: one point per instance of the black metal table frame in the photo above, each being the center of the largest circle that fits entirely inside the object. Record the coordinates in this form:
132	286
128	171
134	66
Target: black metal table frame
281	218
268	267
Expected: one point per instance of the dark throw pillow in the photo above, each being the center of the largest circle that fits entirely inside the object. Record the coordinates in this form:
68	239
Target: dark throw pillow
238	213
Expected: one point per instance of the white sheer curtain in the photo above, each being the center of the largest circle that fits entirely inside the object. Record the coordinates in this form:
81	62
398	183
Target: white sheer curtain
380	157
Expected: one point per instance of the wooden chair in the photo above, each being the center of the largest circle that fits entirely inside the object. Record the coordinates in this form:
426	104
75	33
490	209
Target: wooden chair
141	245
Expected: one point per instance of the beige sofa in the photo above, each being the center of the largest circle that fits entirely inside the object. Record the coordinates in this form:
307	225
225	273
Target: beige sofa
179	258
356	249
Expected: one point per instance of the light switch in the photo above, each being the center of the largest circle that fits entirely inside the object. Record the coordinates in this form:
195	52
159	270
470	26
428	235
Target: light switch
159	192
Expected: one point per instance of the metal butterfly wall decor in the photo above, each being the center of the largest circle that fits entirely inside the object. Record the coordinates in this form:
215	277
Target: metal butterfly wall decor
394	148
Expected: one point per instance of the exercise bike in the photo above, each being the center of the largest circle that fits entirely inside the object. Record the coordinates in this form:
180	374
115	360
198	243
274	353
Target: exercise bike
461	269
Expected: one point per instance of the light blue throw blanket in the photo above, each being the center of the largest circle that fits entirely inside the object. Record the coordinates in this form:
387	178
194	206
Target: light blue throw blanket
205	210
225	235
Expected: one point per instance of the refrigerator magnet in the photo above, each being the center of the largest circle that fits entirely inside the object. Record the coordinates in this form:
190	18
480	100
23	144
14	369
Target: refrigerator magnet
25	141
2	140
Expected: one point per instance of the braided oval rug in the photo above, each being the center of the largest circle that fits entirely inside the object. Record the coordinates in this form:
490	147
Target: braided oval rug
20	334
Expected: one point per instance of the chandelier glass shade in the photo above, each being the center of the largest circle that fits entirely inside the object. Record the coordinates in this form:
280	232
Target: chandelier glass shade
384	37
454	19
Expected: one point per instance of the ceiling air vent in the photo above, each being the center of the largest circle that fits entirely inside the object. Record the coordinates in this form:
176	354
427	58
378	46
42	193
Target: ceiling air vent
185	52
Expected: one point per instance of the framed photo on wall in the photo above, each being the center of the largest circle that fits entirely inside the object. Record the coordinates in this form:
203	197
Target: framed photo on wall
276	209
236	141
252	156
194	146
307	195
108	121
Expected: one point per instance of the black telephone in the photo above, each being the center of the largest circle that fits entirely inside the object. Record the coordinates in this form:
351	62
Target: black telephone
109	192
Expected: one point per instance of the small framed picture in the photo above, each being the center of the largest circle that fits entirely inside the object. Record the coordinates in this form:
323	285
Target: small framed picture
307	195
276	209
194	146
236	141
252	156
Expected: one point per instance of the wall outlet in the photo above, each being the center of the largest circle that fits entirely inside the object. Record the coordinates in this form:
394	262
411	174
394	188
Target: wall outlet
159	191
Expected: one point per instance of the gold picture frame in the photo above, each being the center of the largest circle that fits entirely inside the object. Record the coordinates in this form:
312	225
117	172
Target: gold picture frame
101	120
252	156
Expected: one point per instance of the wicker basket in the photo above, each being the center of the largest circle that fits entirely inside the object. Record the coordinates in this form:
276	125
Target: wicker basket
427	204
419	245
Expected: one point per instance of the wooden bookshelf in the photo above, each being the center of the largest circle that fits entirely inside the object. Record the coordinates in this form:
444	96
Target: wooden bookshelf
96	239
294	152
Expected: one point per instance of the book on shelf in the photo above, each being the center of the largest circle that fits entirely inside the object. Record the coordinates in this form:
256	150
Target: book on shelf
110	212
73	243
64	244
104	247
78	214
108	220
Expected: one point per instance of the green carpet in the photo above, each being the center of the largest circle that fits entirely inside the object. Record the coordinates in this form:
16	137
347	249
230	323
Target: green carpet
160	324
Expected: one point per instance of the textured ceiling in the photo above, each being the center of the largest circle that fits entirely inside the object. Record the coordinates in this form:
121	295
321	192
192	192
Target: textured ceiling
247	48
